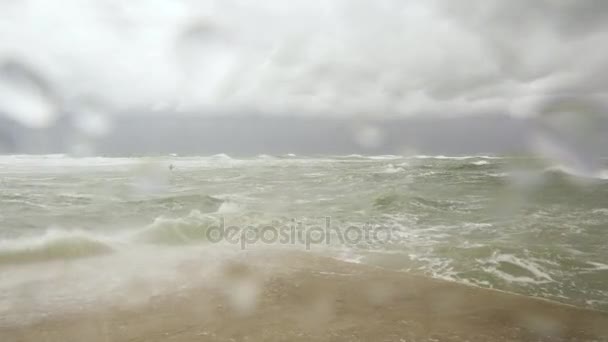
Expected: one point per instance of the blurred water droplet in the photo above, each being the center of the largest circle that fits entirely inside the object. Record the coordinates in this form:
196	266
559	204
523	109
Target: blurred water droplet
81	150
244	296
207	56
542	325
317	314
380	293
369	136
92	121
571	132
525	179
25	97
7	141
151	178
242	287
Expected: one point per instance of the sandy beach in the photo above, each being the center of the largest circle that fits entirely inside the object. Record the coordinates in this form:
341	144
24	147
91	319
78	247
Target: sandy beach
286	296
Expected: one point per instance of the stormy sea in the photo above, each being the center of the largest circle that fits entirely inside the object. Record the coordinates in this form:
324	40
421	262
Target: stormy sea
93	234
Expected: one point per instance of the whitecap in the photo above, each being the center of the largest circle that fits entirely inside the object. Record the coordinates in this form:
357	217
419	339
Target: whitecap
480	162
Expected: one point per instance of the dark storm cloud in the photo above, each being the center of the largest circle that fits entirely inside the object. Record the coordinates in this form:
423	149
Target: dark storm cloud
550	47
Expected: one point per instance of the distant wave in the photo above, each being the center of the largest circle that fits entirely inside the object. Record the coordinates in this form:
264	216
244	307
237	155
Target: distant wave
440	157
203	202
390	169
481	162
63	160
563	170
395	201
266	156
466	164
385	157
222	156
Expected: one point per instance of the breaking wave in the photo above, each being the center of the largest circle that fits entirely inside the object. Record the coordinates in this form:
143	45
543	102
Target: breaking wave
54	245
221	156
480	162
190	229
390	168
566	171
441	157
66	245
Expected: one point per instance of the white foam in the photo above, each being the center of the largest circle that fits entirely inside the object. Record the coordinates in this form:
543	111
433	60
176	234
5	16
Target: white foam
222	156
229	208
384	157
390	168
597	266
440	157
493	263
480	162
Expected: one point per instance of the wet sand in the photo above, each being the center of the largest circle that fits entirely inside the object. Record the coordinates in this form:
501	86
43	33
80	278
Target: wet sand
293	296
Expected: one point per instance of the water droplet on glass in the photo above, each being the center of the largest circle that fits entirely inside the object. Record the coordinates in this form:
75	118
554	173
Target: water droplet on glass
571	132
242	288
369	136
92	121
207	56
81	149
25	97
151	178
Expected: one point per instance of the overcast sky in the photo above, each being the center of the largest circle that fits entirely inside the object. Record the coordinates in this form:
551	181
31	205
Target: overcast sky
96	60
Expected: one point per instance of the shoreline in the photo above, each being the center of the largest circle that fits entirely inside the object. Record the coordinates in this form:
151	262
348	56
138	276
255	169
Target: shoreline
288	295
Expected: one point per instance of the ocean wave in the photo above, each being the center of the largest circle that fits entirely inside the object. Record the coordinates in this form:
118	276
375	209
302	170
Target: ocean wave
189	229
202	202
221	156
384	157
229	208
466	165
394	201
597	266
63	160
437	204
387	201
442	157
480	162
60	244
265	157
54	245
390	169
563	170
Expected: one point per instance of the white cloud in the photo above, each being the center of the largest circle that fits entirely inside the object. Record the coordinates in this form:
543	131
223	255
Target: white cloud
330	57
